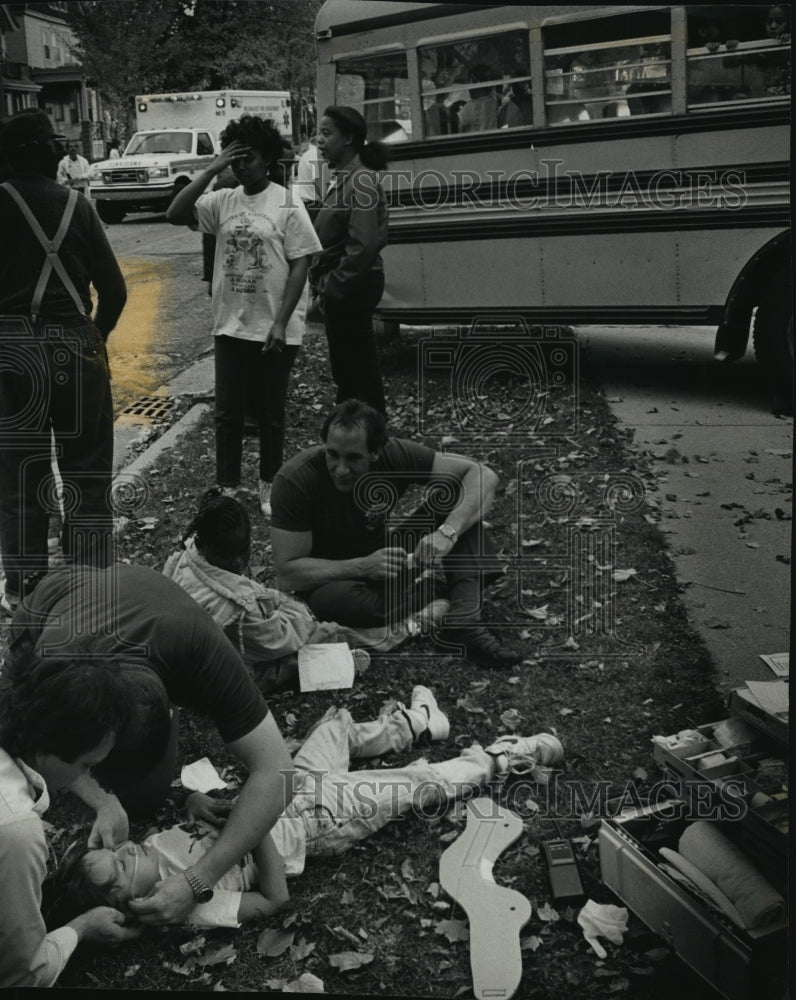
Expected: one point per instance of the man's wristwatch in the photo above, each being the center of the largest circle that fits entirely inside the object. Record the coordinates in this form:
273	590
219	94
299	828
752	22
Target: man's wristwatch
450	533
202	892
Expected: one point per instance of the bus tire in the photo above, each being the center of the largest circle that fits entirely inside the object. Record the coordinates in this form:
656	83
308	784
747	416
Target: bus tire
110	212
773	339
386	329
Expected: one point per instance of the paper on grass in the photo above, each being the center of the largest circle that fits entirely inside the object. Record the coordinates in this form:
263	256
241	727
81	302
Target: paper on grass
771	696
779	663
201	776
325	666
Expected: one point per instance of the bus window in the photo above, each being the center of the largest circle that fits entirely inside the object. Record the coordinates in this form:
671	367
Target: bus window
738	53
608	68
377	86
477	84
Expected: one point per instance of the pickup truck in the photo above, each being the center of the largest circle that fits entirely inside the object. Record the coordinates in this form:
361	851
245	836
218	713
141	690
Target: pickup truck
156	164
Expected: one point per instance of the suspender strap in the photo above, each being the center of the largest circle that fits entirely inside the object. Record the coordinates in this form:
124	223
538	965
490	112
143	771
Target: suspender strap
52	261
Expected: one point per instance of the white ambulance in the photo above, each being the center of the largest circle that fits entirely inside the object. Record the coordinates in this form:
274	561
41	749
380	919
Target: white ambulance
178	135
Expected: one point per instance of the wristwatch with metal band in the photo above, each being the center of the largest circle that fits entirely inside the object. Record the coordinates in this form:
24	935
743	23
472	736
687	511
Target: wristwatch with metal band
448	532
201	891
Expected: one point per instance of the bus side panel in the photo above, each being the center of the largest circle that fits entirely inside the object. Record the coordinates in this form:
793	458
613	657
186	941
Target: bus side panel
719	256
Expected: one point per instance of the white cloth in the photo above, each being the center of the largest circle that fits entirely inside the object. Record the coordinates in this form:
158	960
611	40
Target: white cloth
602	920
730	870
74	173
256	236
29	956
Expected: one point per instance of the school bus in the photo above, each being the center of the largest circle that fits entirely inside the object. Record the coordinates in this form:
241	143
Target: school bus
578	164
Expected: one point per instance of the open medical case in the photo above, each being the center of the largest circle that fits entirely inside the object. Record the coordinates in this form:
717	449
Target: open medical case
733	772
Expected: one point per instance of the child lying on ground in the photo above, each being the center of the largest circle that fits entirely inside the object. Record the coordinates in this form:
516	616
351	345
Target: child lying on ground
267	627
331	810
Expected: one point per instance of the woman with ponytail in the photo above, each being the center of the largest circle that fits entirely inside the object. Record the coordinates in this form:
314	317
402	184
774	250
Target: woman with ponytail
347	276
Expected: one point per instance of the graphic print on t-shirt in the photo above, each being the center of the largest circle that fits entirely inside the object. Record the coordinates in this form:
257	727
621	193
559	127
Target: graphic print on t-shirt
245	258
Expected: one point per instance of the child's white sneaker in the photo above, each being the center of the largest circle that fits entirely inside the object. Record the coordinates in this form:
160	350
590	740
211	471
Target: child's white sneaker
524	754
426	716
361	659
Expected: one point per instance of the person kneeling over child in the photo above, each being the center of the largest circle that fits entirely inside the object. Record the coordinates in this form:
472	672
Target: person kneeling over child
332	809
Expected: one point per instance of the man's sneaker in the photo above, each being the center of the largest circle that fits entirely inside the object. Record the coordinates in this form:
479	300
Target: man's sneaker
525	754
481	647
265	498
425	715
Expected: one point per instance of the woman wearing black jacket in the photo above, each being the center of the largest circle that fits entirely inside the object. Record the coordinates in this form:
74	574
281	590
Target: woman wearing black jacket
347	276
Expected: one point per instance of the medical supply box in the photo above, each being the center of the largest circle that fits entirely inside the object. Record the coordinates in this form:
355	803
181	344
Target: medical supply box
734	773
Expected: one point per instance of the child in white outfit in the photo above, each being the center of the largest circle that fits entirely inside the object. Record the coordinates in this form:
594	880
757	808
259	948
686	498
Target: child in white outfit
332	808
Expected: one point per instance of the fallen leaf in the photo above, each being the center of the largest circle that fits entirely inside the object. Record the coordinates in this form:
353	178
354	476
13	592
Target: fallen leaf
347	898
753	545
131	970
540	613
453	930
620	575
302	948
197	944
469	704
344	933
547	913
272	943
565	711
716	623
511	718
306	983
347	960
640	773
408	872
226	953
530	943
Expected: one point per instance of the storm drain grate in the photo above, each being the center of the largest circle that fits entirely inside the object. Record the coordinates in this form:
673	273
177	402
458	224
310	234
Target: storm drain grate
153	407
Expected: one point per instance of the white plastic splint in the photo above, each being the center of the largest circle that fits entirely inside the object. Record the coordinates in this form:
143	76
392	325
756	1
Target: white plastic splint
496	913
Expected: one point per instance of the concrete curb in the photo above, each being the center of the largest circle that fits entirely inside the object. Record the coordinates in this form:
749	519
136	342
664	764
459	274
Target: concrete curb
123	485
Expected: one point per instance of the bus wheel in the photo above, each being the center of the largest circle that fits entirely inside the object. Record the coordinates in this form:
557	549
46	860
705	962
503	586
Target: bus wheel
110	212
773	339
386	329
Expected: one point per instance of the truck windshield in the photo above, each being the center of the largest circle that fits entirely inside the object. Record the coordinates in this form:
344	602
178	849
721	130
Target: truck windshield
159	142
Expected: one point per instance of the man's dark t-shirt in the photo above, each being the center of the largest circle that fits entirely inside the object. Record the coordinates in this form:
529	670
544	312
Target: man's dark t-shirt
134	614
346	525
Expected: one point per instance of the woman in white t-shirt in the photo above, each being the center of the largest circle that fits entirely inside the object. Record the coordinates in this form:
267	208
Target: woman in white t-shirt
264	242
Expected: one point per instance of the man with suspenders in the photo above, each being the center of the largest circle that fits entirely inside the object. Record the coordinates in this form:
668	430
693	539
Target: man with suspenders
54	376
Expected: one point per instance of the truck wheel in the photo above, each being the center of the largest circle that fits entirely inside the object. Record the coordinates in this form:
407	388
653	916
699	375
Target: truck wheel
110	212
179	185
773	339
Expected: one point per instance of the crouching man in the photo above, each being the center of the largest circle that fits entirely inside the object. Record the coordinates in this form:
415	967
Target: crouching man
333	540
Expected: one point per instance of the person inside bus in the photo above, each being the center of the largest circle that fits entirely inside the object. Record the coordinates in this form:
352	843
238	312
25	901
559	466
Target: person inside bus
480	113
437	117
347	275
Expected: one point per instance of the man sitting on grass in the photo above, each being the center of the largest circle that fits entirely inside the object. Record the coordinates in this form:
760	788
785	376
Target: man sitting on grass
332	809
333	542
